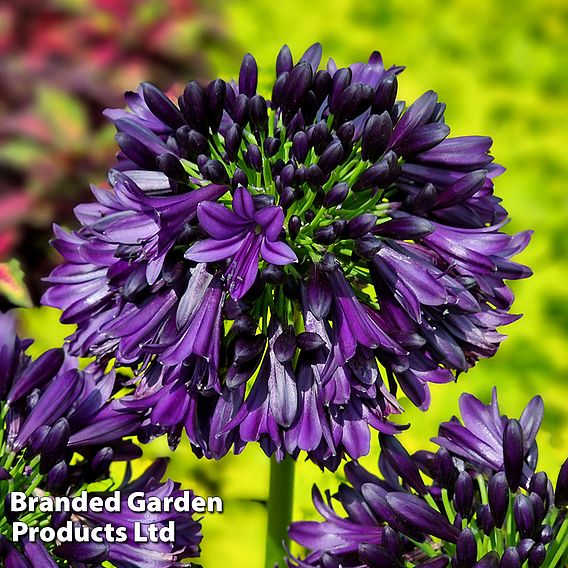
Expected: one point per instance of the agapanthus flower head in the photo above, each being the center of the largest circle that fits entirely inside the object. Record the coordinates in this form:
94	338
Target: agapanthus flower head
439	509
275	269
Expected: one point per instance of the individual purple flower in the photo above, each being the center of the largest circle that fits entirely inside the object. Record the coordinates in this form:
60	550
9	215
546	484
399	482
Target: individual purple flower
437	509
274	269
241	235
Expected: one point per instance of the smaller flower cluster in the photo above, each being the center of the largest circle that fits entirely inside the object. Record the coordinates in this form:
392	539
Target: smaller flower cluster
61	430
485	505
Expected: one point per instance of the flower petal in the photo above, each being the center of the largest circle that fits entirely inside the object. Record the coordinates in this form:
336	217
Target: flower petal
277	252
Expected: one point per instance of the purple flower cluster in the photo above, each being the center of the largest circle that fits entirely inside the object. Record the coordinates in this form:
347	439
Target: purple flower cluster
274	270
483	506
62	428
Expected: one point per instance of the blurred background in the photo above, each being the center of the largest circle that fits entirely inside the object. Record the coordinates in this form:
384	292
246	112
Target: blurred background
501	67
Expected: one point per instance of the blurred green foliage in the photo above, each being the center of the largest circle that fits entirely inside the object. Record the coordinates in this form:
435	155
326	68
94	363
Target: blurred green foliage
502	69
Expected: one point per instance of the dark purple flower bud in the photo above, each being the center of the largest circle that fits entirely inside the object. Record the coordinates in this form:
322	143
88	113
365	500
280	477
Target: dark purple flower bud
341	80
294	225
445	470
376	135
57	476
172	167
55	444
300	146
385	95
368	246
273	274
322	85
248	348
538	506
545	534
339	227
309	341
314	176
361	225
241	110
310	215
318	294
216	95
336	195
424	200
523	513
466	549
490	560
287	174
215	171
401	462
524	547
285	345
36	374
463	494
253	157
287	196
284	61
485	519
278	90
539	484
87	552
161	106
4	474
498	496
240	178
193	141
309	107
248	76
233	140
8	513
297	86
37	439
271	146
513	453
537	555
300	175
313	56
135	150
391	541
353	101
320	137
325	235
331	157
416	513
510	558
193	104
346	132
258	113
561	490
374	176
100	464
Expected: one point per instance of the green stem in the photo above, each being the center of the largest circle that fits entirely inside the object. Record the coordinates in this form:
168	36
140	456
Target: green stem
280	502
